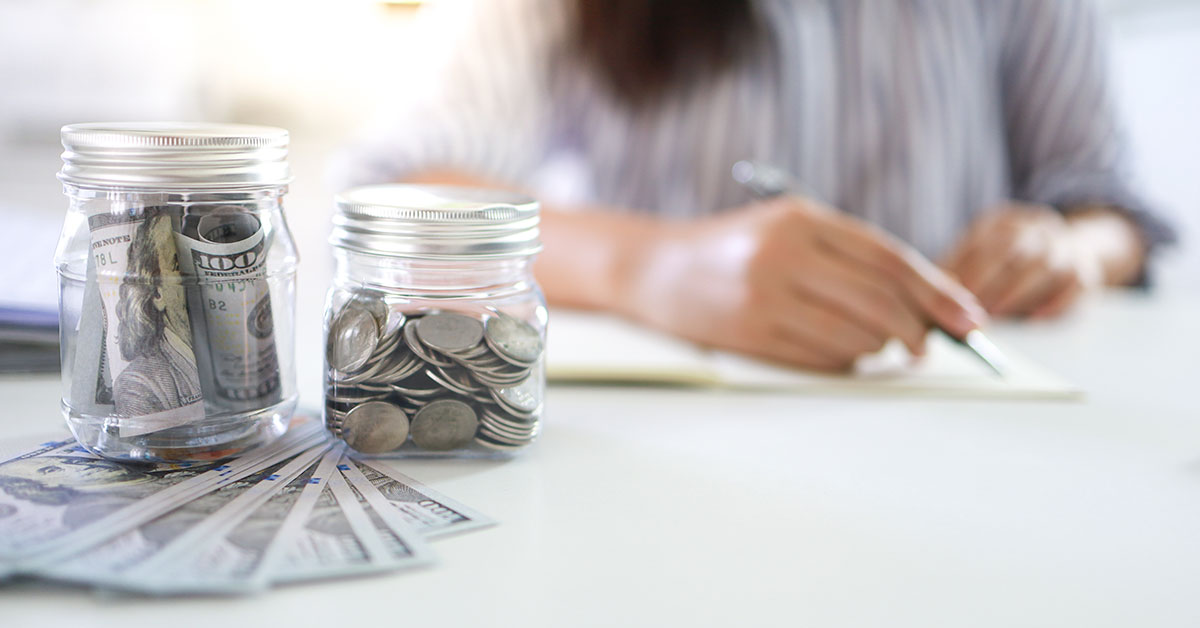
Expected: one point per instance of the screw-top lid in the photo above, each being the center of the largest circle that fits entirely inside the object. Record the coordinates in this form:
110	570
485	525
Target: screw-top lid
431	221
174	155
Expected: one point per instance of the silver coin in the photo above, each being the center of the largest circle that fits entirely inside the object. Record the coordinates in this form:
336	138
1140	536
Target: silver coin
373	303
375	427
501	381
506	438
449	383
444	425
498	416
526	433
497	369
496	438
419	349
333	415
353	336
513	339
366	372
403	368
461	379
392	336
351	395
525	397
417	393
488	442
449	332
478	352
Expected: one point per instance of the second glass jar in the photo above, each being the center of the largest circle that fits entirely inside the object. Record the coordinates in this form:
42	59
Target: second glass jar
435	328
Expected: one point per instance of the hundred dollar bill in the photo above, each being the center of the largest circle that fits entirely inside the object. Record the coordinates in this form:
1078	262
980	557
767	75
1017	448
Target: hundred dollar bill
345	536
136	559
144	558
59	500
146	363
89	388
422	508
236	562
226	253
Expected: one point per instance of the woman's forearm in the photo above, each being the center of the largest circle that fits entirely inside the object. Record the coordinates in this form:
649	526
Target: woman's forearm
591	256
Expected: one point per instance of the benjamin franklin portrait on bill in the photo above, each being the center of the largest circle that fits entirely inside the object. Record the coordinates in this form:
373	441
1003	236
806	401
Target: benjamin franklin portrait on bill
153	329
88	488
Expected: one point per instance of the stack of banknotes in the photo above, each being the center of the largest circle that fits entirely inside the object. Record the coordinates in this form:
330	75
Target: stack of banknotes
299	509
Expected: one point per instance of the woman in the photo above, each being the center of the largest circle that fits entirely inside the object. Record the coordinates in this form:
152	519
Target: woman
978	132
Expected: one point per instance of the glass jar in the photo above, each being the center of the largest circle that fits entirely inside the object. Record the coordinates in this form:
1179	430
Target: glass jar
176	273
435	327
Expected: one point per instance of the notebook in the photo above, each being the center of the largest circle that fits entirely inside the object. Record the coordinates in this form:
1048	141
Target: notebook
585	347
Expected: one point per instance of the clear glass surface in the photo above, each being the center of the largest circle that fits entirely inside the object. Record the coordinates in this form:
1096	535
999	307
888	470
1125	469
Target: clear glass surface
378	297
176	322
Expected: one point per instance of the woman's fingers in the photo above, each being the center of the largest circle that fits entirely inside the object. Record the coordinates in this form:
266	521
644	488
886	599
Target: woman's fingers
1066	292
986	263
826	330
1024	289
1007	269
863	298
926	287
963	258
784	348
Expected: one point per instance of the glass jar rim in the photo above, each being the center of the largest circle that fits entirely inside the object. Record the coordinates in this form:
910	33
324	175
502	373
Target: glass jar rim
436	222
174	155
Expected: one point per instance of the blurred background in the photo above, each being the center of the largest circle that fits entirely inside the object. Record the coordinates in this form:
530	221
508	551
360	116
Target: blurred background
322	68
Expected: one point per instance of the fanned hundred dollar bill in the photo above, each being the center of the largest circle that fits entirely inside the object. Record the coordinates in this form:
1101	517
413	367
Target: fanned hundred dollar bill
136	559
59	500
345	536
424	509
298	510
239	560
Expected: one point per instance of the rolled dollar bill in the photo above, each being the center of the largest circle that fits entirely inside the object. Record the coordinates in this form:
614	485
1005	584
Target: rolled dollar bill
146	364
89	389
225	251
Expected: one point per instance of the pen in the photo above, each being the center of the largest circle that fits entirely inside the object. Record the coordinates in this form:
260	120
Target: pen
766	181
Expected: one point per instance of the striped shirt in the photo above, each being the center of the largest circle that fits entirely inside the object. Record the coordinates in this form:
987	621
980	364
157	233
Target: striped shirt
912	114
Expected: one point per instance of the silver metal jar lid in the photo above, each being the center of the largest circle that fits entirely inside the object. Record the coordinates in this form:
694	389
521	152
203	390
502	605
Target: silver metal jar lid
433	221
174	155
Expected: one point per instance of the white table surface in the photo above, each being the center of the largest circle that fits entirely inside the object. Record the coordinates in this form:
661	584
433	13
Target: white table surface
661	507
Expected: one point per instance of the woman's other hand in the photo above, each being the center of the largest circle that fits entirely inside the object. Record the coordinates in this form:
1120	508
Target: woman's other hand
1031	260
793	281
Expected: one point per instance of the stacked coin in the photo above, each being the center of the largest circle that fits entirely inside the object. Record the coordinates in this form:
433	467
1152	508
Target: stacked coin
440	380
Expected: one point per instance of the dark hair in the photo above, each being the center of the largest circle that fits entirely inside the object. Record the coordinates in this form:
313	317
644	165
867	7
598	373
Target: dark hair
644	48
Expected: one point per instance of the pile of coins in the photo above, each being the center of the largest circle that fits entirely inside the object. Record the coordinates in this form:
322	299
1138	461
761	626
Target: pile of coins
440	380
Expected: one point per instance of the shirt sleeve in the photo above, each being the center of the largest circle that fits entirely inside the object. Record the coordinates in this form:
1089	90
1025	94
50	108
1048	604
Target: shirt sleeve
1065	145
483	109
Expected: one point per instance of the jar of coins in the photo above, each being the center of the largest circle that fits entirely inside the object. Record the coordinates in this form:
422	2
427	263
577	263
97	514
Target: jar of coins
176	273
435	327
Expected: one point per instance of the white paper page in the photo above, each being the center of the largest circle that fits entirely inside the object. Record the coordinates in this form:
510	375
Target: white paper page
585	346
946	370
598	348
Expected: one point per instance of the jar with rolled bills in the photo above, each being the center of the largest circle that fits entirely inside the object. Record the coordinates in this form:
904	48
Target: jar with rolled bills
176	272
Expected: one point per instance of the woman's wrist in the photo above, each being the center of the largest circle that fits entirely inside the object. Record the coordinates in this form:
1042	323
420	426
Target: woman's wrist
1112	237
635	262
594	258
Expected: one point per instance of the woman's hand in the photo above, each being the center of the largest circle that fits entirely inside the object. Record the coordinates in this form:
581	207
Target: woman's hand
790	280
1030	260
